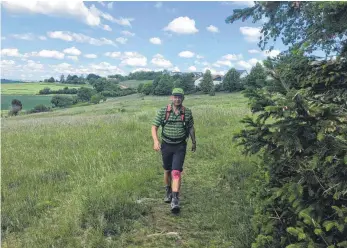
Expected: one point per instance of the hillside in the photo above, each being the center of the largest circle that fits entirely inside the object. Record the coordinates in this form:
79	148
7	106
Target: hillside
88	177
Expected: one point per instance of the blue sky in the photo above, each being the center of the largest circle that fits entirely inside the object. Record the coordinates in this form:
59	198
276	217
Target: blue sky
43	39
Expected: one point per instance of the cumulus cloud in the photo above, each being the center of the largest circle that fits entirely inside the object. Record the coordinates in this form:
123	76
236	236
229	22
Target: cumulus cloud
69	9
80	38
248	64
90	56
186	54
107	28
113	54
155	40
73	51
192	68
141	69
127	33
182	25
232	56
272	53
252	51
74	58
48	54
133	59
224	63
212	29
10	52
159	61
122	40
251	34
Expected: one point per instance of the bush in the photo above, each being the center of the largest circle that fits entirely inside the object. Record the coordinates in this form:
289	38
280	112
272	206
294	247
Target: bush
62	101
96	98
16	106
39	108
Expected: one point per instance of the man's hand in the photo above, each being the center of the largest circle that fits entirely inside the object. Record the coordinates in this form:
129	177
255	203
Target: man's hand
193	147
156	146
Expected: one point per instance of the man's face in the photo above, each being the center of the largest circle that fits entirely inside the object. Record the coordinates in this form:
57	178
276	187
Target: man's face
177	100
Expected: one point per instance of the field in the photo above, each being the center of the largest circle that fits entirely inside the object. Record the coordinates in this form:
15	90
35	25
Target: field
88	177
28	101
33	88
134	83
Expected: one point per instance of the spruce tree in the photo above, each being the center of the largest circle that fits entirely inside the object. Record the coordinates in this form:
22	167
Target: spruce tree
232	81
207	82
299	127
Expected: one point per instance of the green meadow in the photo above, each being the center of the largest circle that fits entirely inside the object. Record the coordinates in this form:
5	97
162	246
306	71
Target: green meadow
89	177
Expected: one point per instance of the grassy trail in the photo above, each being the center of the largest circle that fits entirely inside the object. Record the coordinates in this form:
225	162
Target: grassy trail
89	178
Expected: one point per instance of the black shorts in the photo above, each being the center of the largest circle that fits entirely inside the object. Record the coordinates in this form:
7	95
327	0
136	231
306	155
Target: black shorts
173	155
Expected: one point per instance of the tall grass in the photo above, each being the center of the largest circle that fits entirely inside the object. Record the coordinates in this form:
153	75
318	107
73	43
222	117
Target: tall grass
88	177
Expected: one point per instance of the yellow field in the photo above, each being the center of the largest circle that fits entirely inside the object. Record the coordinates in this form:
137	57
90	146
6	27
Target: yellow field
33	88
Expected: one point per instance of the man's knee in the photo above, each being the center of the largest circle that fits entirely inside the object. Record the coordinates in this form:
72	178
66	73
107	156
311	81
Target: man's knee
176	174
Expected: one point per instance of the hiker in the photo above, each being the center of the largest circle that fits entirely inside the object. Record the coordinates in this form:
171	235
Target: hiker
177	124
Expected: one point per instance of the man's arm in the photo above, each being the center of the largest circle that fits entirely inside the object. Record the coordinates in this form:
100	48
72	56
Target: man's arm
155	134
155	126
192	134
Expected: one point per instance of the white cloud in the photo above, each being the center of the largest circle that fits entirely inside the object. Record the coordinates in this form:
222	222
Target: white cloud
248	64
81	38
107	28
32	65
253	51
110	5
155	40
212	29
121	21
175	69
48	54
232	56
244	65
127	33
113	54
214	72
122	40
186	54
182	25
7	62
224	63
272	53
69	9
72	51
158	5
42	37
192	68
124	21
251	34
133	59
28	36
141	69
159	61
90	56
199	56
3	38
74	58
10	52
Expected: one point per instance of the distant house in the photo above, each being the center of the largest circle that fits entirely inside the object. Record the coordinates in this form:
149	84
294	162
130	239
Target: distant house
217	79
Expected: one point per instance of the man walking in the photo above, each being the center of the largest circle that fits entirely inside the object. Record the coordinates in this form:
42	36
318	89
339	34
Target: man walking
177	124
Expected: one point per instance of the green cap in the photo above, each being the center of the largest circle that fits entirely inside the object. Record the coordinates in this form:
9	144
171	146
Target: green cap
177	91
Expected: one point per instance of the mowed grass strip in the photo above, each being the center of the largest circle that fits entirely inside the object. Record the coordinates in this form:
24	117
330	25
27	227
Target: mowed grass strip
93	180
34	88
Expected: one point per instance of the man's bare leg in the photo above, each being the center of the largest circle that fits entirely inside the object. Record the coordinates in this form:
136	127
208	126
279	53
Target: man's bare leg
167	177
167	182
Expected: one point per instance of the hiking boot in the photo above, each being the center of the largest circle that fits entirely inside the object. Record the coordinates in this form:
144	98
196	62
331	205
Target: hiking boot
175	205
168	194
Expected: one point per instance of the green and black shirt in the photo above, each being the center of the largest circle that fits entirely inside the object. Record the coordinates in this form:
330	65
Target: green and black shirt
174	128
